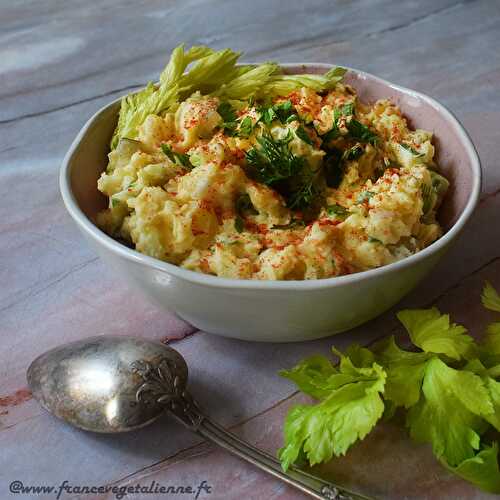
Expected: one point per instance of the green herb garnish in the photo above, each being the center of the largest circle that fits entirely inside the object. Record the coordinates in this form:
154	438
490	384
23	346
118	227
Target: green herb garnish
337	210
333	168
246	127
293	224
244	205
267	115
412	150
226	112
364	196
356	129
353	153
361	132
115	202
371	239
275	165
178	158
239	224
282	111
229	118
347	109
334	133
273	161
303	135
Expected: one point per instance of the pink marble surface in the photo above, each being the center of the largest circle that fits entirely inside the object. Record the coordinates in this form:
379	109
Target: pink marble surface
54	74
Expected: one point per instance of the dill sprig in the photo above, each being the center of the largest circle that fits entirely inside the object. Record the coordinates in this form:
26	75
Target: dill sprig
275	165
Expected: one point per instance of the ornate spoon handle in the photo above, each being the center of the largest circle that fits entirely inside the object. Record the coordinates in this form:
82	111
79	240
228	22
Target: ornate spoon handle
307	483
167	390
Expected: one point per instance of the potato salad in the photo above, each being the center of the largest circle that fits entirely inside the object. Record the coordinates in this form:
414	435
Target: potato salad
245	172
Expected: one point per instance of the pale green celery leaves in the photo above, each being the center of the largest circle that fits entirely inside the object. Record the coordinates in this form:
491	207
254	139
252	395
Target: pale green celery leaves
349	372
317	377
492	340
360	356
311	376
210	70
494	389
492	386
490	298
490	346
136	107
336	73
247	84
321	430
405	372
449	408
281	85
432	332
448	414
179	61
201	69
481	469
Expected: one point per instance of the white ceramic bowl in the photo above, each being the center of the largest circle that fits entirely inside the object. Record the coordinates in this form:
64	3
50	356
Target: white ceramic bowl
278	311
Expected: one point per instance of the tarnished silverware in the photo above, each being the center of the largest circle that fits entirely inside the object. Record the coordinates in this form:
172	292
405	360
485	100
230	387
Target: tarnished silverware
117	384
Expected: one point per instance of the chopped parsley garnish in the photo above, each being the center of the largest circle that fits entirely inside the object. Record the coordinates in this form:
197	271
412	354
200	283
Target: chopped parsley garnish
412	150
226	112
244	205
267	115
364	196
302	134
334	133
230	128
353	153
184	160
347	109
361	132
239	224
337	210
293	224
178	158
356	130
333	168
246	127
229	118
304	192
282	111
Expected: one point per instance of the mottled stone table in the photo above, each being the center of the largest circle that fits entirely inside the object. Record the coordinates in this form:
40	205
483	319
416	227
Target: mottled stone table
59	62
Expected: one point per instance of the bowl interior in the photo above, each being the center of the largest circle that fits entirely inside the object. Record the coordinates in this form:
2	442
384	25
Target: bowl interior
452	153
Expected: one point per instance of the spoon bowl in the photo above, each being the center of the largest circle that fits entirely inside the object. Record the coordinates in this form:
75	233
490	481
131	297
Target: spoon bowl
92	383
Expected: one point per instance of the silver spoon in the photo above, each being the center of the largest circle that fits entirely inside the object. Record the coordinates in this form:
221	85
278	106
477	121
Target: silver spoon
117	384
